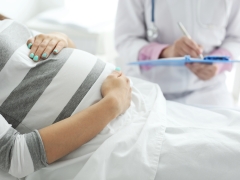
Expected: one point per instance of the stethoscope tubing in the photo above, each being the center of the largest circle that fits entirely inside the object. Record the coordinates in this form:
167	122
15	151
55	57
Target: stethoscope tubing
152	31
153	11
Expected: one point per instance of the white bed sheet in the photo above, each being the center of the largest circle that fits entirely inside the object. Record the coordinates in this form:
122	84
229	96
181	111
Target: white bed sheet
155	140
128	147
200	144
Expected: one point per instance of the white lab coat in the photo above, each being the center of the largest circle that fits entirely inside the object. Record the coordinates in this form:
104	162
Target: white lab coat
211	23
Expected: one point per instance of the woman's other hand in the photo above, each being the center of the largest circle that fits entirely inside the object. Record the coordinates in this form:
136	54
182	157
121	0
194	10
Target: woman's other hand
181	47
203	71
43	45
65	136
117	87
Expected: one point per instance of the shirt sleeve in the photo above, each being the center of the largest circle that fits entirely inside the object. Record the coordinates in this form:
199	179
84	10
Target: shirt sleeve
20	155
223	52
150	52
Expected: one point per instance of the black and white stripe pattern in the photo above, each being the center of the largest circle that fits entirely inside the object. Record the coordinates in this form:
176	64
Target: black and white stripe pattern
82	91
37	85
32	87
7	142
15	32
36	95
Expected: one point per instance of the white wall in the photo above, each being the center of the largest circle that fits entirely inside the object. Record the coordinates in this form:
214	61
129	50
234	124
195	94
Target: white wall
50	4
19	10
23	10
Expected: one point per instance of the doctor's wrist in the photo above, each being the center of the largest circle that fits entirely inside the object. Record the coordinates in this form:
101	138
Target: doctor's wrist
166	52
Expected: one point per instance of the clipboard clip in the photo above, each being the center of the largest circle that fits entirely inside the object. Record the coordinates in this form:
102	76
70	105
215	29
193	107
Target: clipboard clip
208	59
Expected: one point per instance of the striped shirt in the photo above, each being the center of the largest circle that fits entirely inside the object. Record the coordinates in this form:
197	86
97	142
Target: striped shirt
36	95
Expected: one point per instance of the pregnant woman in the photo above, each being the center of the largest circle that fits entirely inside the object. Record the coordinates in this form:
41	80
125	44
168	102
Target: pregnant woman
74	117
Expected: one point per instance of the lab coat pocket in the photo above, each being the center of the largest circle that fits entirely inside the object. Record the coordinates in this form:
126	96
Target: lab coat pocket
212	14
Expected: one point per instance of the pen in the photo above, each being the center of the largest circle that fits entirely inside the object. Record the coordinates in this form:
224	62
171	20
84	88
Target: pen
186	34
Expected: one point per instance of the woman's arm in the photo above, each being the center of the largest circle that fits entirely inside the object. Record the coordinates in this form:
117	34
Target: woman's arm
21	155
65	136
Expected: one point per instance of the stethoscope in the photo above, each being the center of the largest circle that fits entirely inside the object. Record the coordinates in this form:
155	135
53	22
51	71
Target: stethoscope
152	31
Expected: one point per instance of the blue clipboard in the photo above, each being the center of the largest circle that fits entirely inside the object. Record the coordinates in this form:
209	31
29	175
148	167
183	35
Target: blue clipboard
181	61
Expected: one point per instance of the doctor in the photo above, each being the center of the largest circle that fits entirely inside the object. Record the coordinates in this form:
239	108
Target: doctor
148	29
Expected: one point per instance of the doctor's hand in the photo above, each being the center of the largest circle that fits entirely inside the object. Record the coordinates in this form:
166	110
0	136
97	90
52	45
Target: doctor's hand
117	87
43	45
181	47
204	71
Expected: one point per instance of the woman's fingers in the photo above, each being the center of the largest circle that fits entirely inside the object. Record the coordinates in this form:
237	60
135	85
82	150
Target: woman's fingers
117	69
49	48
43	45
117	72
40	52
37	41
30	43
60	45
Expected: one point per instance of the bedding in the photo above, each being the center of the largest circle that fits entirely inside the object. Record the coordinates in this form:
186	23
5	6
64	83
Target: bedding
155	139
36	95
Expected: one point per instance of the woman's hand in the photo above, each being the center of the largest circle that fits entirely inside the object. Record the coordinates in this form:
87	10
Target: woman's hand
203	71
67	135
183	46
117	86
44	44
